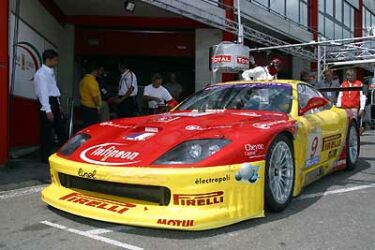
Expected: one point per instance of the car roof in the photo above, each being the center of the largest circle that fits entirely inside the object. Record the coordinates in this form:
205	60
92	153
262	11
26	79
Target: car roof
281	81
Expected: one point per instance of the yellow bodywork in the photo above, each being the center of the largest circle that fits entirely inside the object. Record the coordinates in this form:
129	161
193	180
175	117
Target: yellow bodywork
219	199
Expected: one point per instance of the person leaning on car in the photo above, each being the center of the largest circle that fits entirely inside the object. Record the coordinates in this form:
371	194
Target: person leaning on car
90	97
48	94
328	82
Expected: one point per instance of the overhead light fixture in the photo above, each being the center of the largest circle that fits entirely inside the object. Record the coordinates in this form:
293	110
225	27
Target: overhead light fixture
129	5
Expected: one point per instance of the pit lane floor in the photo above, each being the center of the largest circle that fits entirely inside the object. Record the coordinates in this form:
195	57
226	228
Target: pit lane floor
337	212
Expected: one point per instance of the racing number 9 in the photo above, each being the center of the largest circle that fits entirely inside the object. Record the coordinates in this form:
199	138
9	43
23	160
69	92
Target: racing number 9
314	146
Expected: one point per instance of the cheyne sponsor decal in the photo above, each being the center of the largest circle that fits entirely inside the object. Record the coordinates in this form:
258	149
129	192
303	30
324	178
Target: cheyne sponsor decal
109	154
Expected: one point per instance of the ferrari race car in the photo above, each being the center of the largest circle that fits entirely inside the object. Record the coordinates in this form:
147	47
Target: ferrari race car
224	155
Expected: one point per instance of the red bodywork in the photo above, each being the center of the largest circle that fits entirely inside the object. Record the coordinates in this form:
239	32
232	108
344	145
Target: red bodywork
142	140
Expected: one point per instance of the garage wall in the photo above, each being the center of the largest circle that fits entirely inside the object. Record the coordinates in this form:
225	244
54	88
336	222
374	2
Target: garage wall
204	39
62	37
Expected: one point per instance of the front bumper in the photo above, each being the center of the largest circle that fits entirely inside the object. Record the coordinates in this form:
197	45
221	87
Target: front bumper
200	198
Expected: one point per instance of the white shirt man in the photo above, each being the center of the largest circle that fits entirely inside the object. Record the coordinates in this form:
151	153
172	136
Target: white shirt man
127	92
128	80
51	116
160	94
268	72
258	73
45	86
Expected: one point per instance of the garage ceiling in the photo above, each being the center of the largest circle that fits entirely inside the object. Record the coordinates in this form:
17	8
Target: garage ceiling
109	8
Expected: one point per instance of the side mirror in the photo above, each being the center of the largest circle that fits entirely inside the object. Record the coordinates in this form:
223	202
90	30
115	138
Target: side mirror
314	102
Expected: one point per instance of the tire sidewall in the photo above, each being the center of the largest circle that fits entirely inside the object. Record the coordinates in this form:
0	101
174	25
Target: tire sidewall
270	202
349	164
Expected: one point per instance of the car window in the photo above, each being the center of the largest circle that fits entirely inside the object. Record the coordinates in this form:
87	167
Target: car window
305	93
271	97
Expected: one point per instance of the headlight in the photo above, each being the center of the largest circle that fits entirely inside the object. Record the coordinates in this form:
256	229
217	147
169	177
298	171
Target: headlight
74	143
192	151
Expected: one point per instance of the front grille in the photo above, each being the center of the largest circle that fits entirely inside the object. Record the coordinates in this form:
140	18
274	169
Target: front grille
154	194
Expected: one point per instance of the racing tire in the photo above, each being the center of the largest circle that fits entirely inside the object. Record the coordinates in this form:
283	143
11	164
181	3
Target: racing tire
279	174
352	146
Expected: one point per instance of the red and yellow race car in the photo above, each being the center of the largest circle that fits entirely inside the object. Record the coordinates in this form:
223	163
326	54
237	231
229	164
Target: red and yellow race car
222	156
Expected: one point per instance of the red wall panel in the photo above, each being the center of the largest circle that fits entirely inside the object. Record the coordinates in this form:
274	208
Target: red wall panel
4	84
132	43
25	122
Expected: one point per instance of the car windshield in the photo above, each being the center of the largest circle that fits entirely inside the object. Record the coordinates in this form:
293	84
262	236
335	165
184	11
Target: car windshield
263	96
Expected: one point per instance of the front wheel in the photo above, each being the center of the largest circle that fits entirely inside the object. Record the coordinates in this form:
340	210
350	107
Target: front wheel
352	147
279	174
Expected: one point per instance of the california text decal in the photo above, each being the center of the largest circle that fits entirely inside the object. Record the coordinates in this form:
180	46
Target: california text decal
109	154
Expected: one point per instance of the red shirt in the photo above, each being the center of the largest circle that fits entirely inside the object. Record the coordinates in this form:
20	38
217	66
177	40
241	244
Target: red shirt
351	99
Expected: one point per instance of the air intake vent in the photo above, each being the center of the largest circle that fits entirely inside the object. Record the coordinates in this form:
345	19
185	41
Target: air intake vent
154	194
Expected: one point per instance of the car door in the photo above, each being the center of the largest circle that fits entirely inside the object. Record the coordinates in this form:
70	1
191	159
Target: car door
322	130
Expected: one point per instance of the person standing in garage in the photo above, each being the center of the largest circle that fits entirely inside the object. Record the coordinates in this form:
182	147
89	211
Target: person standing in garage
48	94
90	97
128	89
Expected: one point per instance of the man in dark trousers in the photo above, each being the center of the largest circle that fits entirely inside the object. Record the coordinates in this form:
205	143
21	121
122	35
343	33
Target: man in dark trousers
128	89
48	94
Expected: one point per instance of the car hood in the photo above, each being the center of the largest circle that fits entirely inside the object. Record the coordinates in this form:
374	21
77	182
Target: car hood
142	140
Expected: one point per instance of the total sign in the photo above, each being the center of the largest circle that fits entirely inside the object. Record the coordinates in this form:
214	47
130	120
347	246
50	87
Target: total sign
229	57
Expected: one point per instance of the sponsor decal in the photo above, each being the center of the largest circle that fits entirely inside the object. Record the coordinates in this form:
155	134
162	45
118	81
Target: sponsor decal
198	199
112	206
331	142
221	58
339	163
151	130
313	175
332	153
210	180
177	223
115	125
248	173
253	149
251	114
195	113
88	175
108	154
267	125
142	136
314	146
312	161
167	119
242	60
193	127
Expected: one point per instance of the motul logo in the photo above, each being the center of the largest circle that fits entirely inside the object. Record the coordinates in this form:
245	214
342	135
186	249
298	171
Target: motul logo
198	199
242	60
108	154
178	223
221	58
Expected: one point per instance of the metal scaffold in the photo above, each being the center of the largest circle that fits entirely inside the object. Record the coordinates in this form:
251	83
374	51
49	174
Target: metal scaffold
327	53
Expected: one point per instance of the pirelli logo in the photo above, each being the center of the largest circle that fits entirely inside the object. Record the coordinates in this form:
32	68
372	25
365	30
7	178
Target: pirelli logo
198	199
331	142
112	206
